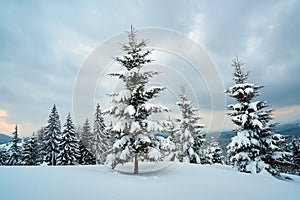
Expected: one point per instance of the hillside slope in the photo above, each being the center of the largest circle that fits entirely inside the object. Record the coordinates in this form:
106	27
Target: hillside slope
178	181
4	138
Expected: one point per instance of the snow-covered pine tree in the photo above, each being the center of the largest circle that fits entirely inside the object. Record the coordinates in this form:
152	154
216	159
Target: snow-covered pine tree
14	152
294	148
211	152
3	156
30	151
100	137
51	138
87	135
134	131
254	147
188	137
40	133
86	157
68	146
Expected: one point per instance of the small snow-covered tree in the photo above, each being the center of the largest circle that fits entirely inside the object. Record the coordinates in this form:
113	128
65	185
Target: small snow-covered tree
3	156
14	152
40	134
133	129
294	166
188	138
86	157
254	147
100	138
68	146
30	151
87	135
51	138
211	152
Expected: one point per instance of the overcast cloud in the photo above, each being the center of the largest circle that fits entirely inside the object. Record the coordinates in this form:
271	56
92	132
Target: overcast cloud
44	43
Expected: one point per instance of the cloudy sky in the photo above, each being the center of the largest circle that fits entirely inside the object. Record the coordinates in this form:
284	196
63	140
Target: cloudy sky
45	43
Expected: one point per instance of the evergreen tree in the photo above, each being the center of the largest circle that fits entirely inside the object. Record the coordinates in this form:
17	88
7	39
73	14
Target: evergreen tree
51	138
254	147
14	152
69	152
40	133
30	151
87	135
86	157
100	138
211	152
294	148
188	138
3	156
86	138
134	131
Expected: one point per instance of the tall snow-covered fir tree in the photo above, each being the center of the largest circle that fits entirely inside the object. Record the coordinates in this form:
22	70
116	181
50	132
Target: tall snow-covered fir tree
254	147
51	138
100	138
68	146
86	157
211	152
188	137
14	152
132	127
30	151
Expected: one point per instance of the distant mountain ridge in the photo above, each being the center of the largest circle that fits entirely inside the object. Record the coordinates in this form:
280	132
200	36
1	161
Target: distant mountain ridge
4	138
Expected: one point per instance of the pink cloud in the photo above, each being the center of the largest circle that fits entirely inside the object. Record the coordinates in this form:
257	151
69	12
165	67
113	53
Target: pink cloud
287	114
6	127
3	113
285	111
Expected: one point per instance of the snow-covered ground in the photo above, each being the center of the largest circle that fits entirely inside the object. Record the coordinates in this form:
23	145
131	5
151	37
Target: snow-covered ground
178	181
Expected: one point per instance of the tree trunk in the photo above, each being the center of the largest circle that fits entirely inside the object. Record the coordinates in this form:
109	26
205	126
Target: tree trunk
98	161
136	164
53	158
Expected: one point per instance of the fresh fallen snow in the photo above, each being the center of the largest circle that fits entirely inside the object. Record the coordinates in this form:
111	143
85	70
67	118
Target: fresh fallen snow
177	181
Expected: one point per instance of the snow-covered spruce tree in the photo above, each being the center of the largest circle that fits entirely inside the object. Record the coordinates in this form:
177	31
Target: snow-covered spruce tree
211	152
3	156
40	134
51	138
294	148
100	137
254	147
86	157
133	129
188	138
68	145
87	135
30	151
14	152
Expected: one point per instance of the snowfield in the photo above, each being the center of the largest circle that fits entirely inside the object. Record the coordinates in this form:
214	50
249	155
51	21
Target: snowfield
177	181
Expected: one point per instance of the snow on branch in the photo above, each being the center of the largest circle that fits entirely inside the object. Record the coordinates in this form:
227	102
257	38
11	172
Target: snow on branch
123	95
154	108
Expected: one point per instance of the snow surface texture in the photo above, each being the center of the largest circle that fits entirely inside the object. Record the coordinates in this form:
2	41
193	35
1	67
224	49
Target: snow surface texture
178	181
